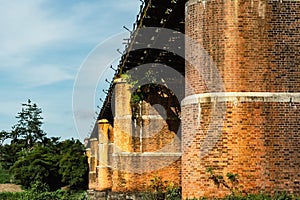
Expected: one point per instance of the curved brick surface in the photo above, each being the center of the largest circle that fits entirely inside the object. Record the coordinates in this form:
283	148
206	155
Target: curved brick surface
255	47
254	44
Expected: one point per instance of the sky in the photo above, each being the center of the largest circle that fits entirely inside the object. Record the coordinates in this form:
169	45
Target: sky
45	44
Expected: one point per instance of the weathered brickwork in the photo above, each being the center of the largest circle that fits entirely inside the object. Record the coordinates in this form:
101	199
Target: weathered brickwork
254	44
254	47
99	156
240	114
124	181
259	142
125	157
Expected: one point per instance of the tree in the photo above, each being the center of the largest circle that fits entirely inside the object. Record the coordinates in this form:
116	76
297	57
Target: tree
33	157
40	164
4	150
56	165
73	165
3	136
9	154
28	128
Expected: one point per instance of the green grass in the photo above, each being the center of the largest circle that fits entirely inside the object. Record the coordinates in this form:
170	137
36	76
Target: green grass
277	196
11	195
28	195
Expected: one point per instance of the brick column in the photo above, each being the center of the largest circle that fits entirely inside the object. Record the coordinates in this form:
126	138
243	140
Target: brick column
104	171
122	135
134	164
122	116
93	163
252	47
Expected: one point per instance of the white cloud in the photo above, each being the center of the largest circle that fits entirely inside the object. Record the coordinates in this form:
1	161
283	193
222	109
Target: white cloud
44	75
30	25
39	40
26	26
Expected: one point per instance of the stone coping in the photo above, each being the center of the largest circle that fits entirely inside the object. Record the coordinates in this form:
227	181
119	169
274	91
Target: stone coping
192	2
241	97
145	154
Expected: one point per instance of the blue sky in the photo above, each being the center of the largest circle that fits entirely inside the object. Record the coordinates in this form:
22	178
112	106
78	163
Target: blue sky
43	44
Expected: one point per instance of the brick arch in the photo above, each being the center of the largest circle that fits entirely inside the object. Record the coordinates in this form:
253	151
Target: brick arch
159	100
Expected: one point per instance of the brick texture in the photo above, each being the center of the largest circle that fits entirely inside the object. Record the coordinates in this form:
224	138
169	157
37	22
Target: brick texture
124	157
241	46
254	46
152	128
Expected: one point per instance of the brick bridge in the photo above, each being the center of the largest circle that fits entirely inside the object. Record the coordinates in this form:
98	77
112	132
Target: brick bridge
236	107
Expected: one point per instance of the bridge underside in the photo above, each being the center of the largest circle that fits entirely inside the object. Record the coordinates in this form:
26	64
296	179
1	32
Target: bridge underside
226	102
137	135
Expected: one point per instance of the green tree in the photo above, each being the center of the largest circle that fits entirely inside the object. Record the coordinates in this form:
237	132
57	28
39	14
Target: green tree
9	154
4	149
73	165
28	128
33	157
3	136
40	164
57	164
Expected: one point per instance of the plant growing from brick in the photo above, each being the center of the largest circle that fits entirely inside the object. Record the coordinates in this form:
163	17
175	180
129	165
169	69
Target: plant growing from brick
157	184
231	184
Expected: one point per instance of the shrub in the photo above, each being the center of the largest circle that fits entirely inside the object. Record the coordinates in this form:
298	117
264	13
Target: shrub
4	176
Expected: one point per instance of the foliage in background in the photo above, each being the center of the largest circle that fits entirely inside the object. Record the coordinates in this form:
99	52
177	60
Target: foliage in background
32	157
73	166
4	176
28	129
40	191
3	136
40	164
56	165
57	195
25	134
9	154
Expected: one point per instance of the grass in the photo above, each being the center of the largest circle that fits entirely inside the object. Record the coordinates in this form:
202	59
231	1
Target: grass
31	195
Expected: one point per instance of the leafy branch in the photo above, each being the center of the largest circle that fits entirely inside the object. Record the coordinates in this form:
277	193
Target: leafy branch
231	183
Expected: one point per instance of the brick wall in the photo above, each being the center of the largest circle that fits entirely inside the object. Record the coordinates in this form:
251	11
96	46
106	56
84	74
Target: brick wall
240	114
143	146
253	47
138	171
254	44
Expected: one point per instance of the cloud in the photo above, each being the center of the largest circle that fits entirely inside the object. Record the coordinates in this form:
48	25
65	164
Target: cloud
29	25
32	30
43	43
26	26
44	75
30	34
32	76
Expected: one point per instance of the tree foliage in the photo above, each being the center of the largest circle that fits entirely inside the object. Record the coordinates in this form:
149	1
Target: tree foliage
40	164
33	157
73	166
3	136
28	128
9	154
56	165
